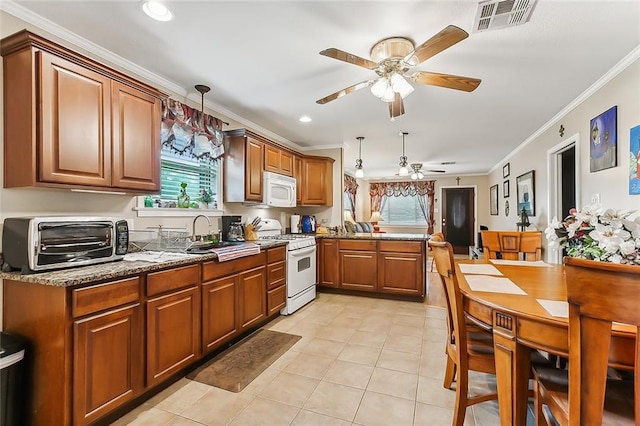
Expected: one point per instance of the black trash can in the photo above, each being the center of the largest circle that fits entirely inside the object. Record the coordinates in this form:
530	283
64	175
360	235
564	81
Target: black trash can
13	395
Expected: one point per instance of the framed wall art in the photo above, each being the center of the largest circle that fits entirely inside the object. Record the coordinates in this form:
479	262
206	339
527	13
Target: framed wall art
506	170
493	200
634	161
505	189
525	192
603	140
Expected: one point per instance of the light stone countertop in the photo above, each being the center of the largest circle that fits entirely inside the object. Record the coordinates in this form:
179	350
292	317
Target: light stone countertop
389	236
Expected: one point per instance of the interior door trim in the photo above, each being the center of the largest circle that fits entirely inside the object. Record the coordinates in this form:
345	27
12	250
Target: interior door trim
475	208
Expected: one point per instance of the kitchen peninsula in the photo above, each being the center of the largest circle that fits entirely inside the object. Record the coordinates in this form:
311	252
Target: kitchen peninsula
381	264
103	337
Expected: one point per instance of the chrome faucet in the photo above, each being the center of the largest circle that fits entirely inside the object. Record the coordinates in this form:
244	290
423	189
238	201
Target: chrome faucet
193	226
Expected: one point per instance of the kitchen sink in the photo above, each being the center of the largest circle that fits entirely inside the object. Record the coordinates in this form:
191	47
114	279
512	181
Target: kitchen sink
203	247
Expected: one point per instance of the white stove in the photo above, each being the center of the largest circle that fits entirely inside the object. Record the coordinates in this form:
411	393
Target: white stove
301	263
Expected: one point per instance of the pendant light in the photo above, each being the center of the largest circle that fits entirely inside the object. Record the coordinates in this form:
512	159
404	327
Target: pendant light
404	171
202	89
359	171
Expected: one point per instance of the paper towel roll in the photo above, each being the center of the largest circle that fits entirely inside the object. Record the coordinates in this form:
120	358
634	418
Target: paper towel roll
295	224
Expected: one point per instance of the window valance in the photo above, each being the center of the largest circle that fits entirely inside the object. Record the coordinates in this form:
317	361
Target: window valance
350	184
397	189
188	132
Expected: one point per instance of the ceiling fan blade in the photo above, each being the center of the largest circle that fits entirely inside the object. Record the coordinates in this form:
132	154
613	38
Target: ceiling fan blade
439	42
341	55
345	91
449	81
435	171
396	108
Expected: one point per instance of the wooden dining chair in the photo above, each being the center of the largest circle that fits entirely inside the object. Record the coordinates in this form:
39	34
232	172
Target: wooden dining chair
509	244
438	236
598	294
490	244
531	245
468	347
512	245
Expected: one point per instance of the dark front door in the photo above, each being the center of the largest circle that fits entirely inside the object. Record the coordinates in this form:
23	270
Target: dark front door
458	220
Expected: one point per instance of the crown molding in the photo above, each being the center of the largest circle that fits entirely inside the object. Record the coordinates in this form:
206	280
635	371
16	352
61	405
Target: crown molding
624	63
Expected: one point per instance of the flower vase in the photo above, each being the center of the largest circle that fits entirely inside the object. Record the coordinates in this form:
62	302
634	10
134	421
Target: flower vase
183	199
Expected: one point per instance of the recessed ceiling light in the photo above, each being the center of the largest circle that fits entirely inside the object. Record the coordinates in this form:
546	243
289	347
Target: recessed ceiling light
305	119
157	11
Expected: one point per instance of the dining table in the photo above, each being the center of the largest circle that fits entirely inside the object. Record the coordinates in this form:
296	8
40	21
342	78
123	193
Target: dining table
525	305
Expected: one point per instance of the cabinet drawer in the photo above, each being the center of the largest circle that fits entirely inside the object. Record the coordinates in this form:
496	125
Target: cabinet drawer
276	299
367	245
104	296
276	275
276	254
212	270
401	246
172	279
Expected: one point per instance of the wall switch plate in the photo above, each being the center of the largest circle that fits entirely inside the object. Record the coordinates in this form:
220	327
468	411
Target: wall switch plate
595	198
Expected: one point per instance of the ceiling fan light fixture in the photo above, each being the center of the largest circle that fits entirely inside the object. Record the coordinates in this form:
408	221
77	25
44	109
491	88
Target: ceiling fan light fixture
379	87
389	95
401	85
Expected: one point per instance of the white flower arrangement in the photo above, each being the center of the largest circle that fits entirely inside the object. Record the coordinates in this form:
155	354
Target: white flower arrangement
595	233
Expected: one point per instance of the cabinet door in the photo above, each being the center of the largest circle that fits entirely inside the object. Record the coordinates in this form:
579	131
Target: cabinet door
218	312
318	182
75	127
286	163
328	265
136	139
108	364
272	159
253	170
252	286
173	333
401	273
358	270
297	173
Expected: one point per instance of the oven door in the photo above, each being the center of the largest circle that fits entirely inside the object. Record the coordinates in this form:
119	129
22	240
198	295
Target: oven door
301	270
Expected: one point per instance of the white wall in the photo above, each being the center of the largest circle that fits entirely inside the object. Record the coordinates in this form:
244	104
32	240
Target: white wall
612	184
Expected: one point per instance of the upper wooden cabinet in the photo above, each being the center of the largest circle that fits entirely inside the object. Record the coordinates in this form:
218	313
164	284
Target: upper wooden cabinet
248	155
72	122
317	181
277	160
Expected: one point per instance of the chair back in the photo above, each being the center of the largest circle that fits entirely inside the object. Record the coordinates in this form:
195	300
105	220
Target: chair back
438	236
444	260
510	244
598	294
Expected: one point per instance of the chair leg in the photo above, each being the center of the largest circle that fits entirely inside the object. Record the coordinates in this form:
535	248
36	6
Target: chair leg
537	405
462	398
449	373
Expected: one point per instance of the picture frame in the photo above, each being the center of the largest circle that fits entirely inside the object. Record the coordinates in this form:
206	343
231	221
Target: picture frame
506	170
505	189
493	200
525	192
634	161
603	140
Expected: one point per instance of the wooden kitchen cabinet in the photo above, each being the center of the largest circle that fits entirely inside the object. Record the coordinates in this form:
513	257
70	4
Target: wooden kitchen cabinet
401	267
277	160
276	280
219	313
243	166
358	265
71	122
173	321
252	288
317	181
329	265
297	174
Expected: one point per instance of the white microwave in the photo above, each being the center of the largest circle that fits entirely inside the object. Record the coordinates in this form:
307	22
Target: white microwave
279	190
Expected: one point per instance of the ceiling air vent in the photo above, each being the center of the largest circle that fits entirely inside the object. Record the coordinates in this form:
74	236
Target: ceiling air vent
493	14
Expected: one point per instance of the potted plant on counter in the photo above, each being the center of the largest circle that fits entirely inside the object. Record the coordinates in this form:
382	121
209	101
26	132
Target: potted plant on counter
206	198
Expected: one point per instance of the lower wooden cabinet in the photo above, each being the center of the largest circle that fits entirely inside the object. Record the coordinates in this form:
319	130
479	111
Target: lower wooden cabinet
401	273
219	322
252	287
328	265
108	362
276	280
173	333
358	270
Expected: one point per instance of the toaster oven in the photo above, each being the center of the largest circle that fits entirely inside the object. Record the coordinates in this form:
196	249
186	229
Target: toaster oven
33	244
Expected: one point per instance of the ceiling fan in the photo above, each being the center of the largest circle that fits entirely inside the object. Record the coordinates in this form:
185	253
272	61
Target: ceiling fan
392	58
418	172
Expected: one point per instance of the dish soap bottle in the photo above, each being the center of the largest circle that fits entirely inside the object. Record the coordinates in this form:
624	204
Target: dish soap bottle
183	197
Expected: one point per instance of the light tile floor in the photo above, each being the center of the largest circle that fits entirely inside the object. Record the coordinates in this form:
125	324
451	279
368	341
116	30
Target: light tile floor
361	361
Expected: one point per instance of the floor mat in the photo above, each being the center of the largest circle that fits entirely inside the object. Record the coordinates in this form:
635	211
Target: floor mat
236	367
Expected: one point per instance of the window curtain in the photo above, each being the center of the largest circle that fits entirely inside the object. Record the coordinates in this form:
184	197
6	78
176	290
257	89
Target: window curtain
185	131
351	188
425	190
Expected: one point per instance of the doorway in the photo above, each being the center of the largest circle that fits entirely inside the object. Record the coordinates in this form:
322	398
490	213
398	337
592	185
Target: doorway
458	218
564	184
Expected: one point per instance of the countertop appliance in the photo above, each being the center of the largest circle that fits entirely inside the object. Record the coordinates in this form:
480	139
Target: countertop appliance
296	226
227	221
308	224
301	264
278	190
43	243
